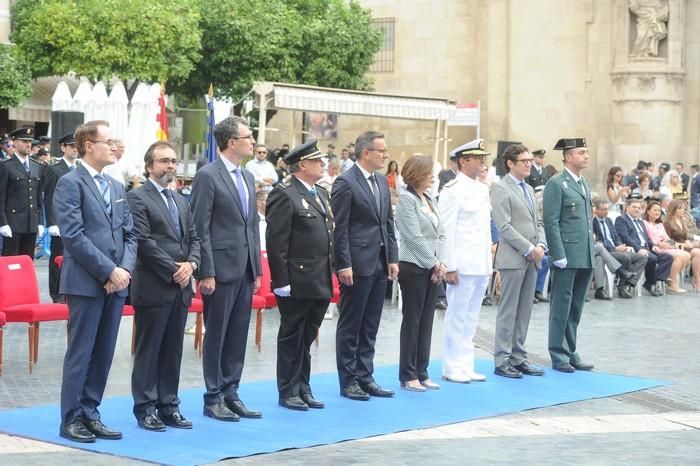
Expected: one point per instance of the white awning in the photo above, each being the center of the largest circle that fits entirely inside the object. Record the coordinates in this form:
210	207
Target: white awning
38	106
320	99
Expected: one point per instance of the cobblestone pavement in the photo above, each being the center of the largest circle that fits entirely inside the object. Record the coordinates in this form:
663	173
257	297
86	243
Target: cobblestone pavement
645	337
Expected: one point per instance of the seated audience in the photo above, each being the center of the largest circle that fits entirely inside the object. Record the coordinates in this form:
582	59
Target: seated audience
656	232
677	229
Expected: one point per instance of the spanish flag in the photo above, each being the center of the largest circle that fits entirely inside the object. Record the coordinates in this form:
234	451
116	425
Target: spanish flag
162	118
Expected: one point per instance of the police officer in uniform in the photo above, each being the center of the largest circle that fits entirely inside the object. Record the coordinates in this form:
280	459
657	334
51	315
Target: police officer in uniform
568	214
538	175
65	165
300	250
21	204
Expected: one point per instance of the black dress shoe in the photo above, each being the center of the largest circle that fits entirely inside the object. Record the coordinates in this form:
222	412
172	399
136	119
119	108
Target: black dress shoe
309	399
375	390
76	432
564	368
582	366
625	291
176	420
354	392
506	370
151	422
239	408
600	294
540	297
653	291
528	369
625	276
294	402
220	412
101	431
441	304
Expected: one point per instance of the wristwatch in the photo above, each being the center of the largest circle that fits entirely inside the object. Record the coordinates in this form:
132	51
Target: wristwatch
194	266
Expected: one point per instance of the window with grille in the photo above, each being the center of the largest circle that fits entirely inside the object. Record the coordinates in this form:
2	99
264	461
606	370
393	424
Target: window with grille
384	60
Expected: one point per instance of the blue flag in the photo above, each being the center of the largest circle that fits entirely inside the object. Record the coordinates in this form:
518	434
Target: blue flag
211	141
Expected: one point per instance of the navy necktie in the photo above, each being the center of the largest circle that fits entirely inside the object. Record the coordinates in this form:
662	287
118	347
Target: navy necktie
375	192
314	196
172	209
607	239
241	191
26	166
527	197
104	191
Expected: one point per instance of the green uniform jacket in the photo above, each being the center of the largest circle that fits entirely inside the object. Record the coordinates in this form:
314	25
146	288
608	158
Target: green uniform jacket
567	216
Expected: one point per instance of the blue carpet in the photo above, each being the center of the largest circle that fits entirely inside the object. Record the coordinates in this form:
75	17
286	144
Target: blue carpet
342	419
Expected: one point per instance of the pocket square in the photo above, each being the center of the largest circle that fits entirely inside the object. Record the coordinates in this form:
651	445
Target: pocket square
118	201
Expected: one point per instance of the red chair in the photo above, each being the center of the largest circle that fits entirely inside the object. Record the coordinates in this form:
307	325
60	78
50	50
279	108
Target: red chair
58	260
3	319
19	300
335	299
263	299
197	307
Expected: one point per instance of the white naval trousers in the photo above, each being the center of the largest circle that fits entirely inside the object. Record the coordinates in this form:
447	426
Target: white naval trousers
461	318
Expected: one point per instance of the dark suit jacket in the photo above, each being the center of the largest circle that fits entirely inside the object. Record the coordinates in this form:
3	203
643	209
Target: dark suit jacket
535	179
94	242
685	179
160	246
21	203
228	240
598	233
628	233
53	173
359	229
299	240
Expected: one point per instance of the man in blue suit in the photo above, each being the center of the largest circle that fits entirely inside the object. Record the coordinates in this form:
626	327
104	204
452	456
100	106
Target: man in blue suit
630	229
225	215
99	253
366	256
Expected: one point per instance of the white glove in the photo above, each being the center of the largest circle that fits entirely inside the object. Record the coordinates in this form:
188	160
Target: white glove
40	230
54	231
6	231
560	264
283	292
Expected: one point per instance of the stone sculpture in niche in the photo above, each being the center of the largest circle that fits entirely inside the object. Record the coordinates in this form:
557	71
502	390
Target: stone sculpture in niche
652	16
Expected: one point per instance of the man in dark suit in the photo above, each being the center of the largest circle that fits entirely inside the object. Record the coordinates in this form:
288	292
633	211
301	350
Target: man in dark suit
366	256
684	178
631	264
99	254
300	251
223	204
21	203
161	291
631	231
65	165
567	219
538	175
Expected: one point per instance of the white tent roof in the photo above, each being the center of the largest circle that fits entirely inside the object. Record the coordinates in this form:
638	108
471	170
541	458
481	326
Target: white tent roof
322	99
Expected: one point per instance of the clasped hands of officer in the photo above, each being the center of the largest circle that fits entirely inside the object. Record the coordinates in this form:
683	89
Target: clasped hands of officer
536	254
183	274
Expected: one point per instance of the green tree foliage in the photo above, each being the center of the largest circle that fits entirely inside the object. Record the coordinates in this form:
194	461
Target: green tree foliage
143	40
317	42
14	79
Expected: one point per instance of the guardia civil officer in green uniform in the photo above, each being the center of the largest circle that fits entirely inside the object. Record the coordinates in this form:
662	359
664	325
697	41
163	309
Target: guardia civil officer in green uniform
300	251
567	216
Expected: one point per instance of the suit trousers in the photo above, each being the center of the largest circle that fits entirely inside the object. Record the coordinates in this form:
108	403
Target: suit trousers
155	378
300	320
514	311
360	312
569	287
93	326
226	317
631	262
658	268
55	270
603	258
419	295
21	244
461	319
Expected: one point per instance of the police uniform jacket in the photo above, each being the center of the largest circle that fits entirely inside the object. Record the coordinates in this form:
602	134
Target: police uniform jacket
465	211
567	219
53	173
537	179
300	240
21	204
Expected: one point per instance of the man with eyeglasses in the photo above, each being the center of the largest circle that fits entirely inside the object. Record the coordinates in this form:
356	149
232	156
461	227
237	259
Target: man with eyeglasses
521	248
262	169
99	245
123	170
366	256
21	203
225	214
168	257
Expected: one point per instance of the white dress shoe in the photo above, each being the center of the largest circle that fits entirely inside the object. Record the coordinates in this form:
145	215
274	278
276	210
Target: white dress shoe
457	378
476	377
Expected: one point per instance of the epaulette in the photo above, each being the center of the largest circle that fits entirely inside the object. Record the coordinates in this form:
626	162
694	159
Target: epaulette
450	183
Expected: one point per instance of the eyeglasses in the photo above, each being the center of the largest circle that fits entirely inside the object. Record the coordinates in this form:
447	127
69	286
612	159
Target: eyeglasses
524	161
250	137
381	151
108	142
263	152
167	161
